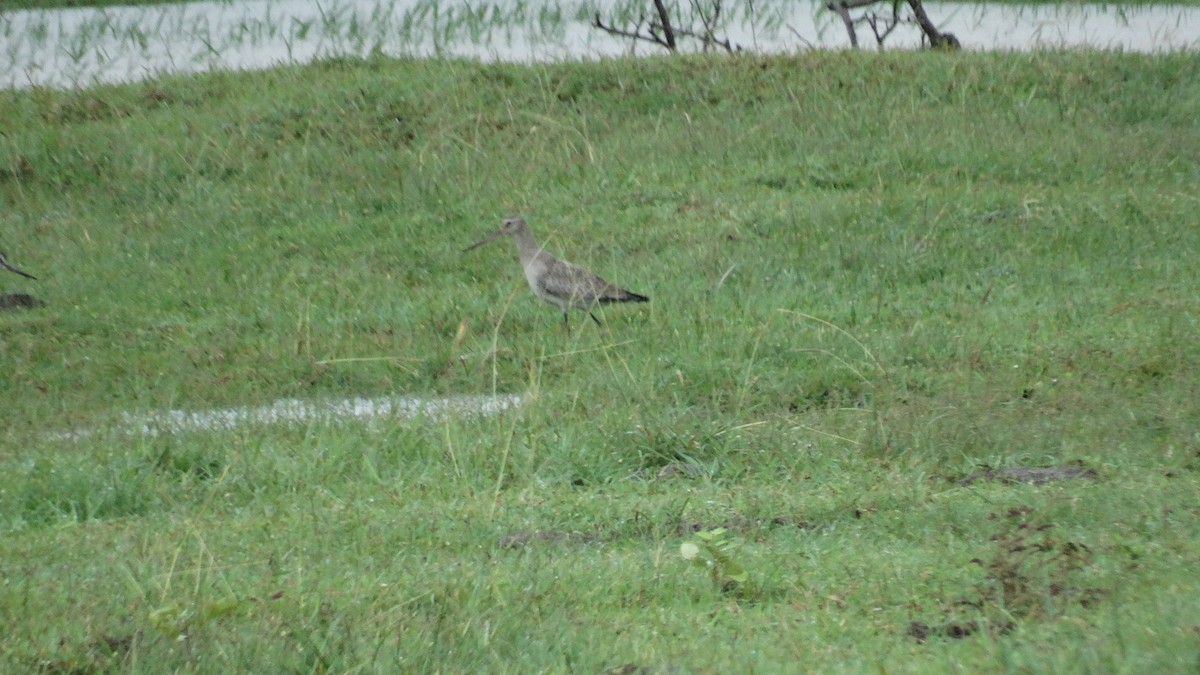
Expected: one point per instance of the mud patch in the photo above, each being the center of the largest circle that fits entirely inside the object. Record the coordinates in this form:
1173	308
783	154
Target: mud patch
744	525
957	631
14	301
1030	575
1033	475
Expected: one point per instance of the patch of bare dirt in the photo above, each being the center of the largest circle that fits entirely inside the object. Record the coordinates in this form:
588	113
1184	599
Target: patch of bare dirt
13	301
1031	575
1033	475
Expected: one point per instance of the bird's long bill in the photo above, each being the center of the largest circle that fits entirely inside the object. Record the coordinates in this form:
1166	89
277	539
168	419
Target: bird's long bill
483	241
4	264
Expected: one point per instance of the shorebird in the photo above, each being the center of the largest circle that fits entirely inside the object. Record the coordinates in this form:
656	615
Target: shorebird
4	265
558	282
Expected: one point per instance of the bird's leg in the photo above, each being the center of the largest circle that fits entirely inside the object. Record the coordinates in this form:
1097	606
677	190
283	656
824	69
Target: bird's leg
594	318
566	323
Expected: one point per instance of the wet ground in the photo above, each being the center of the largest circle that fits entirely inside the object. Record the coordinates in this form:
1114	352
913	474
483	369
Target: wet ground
81	46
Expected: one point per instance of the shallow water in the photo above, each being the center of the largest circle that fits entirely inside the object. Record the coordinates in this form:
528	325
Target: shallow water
78	47
296	411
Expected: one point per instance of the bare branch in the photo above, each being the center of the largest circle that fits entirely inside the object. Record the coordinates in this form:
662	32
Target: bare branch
936	37
708	39
665	19
882	25
843	10
709	24
635	34
800	37
854	4
889	25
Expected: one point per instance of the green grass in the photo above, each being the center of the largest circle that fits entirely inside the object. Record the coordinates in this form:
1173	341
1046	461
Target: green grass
870	275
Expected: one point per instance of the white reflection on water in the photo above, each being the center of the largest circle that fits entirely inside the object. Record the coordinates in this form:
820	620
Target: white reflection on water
78	47
296	411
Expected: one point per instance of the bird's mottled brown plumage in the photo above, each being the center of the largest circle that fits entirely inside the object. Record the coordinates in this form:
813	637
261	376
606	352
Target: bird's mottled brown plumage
558	282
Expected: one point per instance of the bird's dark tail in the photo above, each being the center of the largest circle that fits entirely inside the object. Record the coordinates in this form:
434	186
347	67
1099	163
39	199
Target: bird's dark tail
620	295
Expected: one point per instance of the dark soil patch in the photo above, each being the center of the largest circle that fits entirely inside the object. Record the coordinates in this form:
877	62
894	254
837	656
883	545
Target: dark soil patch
1030	575
11	301
955	630
744	524
1033	475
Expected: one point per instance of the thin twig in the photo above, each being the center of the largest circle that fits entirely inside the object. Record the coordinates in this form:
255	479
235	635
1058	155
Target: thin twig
710	23
664	34
801	37
889	24
635	34
708	40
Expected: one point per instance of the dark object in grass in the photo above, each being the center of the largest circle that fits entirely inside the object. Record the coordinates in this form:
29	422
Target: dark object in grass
919	630
1032	475
4	265
11	301
956	630
1031	576
631	669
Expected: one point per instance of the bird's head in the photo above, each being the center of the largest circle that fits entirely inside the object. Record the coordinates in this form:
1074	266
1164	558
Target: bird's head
508	227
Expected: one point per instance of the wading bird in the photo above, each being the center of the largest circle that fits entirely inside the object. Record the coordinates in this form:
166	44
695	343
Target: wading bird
558	282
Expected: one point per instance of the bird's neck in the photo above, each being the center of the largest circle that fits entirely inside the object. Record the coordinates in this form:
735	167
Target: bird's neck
527	248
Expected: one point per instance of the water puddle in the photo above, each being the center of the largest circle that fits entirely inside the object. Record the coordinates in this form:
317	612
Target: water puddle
79	47
296	411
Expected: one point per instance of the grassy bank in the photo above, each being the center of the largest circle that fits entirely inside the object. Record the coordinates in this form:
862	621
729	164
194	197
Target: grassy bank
871	276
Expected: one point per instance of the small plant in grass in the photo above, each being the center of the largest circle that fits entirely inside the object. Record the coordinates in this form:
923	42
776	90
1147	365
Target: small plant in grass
177	623
710	550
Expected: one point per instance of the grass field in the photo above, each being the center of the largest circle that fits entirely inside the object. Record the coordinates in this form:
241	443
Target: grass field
871	276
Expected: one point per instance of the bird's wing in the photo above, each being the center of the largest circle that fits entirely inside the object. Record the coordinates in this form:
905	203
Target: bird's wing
573	284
